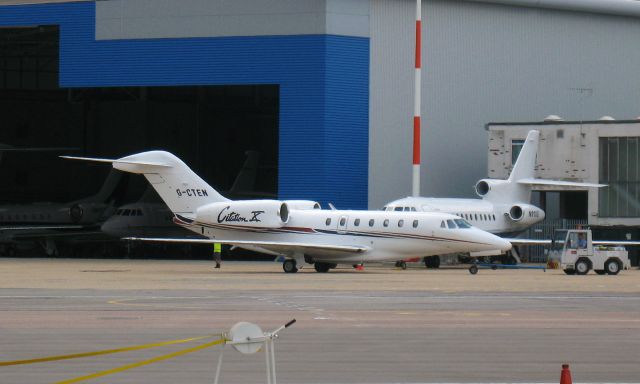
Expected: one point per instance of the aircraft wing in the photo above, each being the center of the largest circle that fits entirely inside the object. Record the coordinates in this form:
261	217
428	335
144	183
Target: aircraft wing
40	227
283	246
559	183
515	241
614	242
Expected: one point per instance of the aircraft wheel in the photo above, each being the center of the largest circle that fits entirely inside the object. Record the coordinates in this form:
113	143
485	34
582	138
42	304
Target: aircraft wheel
432	262
289	266
473	269
612	267
582	267
569	271
322	267
600	271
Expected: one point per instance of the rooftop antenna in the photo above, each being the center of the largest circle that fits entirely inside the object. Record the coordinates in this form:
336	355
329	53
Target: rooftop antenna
416	103
248	338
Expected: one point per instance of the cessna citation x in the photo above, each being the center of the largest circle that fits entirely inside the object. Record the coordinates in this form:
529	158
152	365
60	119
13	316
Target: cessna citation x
504	207
299	229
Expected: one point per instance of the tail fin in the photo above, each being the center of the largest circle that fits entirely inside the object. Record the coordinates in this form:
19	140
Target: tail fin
111	190
526	162
246	179
178	186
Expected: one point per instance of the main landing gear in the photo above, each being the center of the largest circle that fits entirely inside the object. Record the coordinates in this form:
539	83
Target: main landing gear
401	264
290	266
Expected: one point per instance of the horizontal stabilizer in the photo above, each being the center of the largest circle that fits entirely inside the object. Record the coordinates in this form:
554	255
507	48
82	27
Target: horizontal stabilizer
559	183
117	161
267	244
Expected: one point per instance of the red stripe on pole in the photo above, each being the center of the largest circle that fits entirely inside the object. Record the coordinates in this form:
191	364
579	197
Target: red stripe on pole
418	43
416	140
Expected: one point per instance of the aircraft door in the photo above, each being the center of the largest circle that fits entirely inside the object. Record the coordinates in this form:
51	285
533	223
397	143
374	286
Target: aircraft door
342	224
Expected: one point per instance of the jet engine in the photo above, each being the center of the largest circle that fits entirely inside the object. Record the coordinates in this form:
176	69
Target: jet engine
76	212
249	213
525	214
485	187
302	204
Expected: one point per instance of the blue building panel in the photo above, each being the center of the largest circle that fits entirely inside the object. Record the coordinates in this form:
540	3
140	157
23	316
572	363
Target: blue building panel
323	80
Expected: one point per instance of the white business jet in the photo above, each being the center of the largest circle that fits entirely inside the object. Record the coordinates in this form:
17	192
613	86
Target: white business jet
504	207
298	229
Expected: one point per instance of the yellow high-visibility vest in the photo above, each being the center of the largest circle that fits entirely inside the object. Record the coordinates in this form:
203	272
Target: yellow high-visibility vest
217	247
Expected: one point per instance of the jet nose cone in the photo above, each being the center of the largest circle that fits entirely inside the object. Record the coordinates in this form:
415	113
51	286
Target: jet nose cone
109	227
502	244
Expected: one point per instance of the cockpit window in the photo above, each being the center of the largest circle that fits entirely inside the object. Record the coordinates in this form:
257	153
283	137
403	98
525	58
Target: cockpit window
407	209
451	224
462	223
413	209
126	212
442	225
398	209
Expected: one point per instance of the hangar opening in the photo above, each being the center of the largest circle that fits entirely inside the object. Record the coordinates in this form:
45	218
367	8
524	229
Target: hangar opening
210	127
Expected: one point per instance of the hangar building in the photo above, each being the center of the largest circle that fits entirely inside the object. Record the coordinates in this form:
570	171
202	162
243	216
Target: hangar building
322	88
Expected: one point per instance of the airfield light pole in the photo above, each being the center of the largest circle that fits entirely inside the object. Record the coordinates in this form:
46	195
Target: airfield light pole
416	103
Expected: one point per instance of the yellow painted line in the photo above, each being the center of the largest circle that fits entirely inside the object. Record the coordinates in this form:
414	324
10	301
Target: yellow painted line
103	352
123	302
142	363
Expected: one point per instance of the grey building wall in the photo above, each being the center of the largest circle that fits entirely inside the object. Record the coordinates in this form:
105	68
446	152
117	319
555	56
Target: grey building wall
139	19
481	63
575	155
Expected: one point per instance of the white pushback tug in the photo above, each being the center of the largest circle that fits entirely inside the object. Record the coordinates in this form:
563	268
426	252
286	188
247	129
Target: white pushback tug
300	230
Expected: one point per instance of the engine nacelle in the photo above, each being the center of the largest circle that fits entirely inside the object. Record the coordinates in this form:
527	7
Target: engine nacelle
76	212
525	214
249	213
302	204
486	186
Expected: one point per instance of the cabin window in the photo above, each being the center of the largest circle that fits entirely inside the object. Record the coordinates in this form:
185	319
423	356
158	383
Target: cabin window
462	223
343	221
356	222
415	223
386	222
371	222
442	225
400	223
451	224
328	221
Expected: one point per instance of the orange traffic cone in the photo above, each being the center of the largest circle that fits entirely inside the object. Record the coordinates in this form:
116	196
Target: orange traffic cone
565	375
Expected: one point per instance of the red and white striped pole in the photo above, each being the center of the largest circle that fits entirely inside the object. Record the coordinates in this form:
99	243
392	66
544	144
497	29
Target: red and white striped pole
416	103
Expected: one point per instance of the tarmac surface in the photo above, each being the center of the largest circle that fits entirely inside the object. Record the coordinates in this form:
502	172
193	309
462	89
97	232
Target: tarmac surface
380	325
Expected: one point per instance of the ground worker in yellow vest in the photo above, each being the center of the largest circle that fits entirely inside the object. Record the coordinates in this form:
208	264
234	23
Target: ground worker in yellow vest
217	253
